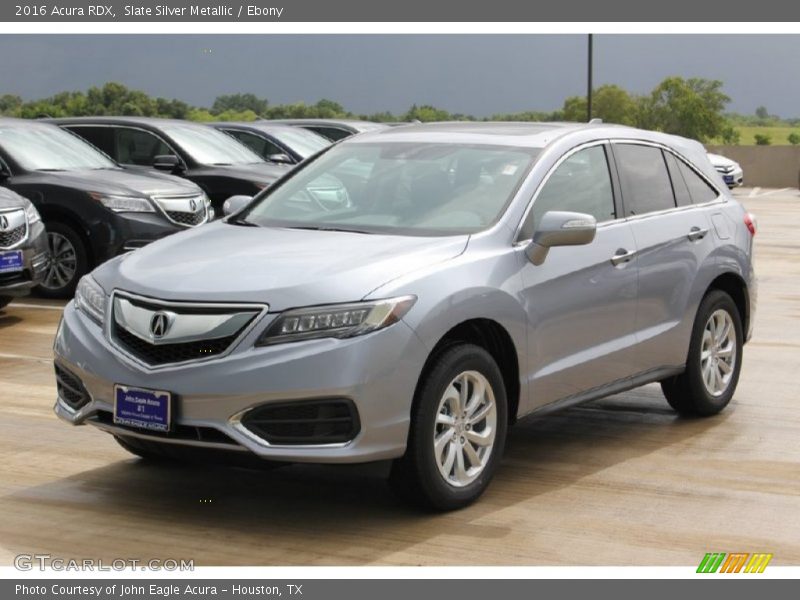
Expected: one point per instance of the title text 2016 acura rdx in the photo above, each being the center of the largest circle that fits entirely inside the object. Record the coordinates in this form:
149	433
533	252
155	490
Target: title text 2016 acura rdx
472	274
92	208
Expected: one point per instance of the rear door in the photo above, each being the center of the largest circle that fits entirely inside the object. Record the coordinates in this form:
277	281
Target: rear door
673	242
581	302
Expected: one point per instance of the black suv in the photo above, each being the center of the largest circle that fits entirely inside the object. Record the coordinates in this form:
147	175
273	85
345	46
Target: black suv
276	143
23	246
92	208
333	129
219	164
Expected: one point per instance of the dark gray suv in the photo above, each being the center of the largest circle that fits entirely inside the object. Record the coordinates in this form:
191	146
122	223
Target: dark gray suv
23	246
467	275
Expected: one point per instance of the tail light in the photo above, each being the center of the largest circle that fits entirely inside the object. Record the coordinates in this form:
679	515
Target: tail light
750	223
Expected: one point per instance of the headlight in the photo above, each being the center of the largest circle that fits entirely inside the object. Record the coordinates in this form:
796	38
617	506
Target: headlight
32	214
336	320
124	203
90	299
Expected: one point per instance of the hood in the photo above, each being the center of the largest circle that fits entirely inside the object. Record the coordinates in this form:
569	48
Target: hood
120	181
284	268
717	160
260	172
9	199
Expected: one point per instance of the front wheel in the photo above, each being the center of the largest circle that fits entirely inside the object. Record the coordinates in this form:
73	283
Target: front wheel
458	431
714	361
68	261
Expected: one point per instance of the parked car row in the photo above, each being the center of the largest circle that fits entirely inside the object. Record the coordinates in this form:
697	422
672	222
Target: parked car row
107	185
407	294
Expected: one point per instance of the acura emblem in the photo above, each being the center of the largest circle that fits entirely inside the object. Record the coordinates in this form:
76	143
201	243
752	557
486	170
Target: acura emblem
3	222
159	324
193	205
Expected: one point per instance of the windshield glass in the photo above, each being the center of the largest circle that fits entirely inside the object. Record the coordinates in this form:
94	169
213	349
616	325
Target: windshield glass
302	141
38	147
402	188
208	146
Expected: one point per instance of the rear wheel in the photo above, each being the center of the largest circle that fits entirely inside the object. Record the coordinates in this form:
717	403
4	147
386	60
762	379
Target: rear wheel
68	261
714	361
458	431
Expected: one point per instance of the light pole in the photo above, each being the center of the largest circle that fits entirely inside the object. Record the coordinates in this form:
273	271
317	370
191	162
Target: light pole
589	83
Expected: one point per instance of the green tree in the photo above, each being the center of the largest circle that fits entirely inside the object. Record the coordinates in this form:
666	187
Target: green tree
762	112
240	102
730	136
691	107
762	139
794	138
426	113
10	104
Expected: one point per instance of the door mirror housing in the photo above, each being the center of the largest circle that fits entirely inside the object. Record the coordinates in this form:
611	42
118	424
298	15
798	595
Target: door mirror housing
560	228
167	162
234	204
281	159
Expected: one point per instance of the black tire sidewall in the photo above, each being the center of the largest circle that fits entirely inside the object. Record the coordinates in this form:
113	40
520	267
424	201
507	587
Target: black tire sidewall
452	362
81	258
703	402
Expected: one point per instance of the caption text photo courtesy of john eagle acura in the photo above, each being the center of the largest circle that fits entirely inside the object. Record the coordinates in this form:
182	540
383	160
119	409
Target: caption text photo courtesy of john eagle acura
463	275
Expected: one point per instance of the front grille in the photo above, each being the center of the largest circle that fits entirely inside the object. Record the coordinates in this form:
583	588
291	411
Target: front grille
70	389
186	218
162	354
205	330
12	237
178	432
307	422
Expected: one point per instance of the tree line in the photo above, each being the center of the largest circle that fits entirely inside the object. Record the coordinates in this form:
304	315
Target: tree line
692	107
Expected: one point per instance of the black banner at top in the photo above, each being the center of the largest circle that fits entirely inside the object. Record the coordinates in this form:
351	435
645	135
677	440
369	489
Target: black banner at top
405	10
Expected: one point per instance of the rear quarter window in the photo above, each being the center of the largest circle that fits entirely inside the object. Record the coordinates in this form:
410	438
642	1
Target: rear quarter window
645	182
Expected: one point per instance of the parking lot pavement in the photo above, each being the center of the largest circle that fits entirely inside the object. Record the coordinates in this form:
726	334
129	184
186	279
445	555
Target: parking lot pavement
622	481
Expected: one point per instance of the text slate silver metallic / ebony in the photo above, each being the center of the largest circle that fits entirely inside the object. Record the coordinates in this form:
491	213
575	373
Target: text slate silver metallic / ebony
452	278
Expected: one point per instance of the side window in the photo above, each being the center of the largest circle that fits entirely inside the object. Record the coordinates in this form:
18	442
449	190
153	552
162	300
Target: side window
582	183
643	176
101	138
331	133
699	190
682	195
261	146
138	147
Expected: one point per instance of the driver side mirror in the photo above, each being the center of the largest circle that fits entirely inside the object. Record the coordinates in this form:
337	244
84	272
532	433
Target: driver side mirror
560	228
281	159
234	204
167	162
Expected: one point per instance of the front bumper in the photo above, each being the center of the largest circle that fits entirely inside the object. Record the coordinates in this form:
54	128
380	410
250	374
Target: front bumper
128	231
34	265
378	372
733	179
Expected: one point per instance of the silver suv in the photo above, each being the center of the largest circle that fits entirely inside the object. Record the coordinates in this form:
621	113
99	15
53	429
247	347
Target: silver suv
451	279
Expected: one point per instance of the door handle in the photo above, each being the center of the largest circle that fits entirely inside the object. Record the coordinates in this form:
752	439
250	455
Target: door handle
622	256
695	233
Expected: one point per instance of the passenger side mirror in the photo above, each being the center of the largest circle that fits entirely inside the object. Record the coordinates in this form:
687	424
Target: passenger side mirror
167	162
282	159
234	204
560	228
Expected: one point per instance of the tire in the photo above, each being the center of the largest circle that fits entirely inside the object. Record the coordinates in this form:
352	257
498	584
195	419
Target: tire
418	476
690	393
69	266
5	300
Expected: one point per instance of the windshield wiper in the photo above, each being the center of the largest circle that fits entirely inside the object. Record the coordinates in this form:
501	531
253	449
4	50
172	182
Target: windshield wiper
320	228
243	223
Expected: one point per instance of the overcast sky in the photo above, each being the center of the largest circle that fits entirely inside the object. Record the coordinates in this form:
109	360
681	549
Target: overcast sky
472	74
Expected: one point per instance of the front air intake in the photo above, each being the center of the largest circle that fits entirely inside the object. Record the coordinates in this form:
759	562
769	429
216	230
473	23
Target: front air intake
305	422
70	389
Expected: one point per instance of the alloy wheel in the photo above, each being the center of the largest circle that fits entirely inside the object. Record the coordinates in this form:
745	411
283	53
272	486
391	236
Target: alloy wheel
465	429
718	352
63	262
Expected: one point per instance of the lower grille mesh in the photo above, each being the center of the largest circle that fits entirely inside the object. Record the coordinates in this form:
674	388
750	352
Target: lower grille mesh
11	237
70	389
163	354
329	421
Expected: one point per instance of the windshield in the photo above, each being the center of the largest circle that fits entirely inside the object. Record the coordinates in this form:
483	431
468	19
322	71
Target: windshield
402	188
208	146
38	147
302	141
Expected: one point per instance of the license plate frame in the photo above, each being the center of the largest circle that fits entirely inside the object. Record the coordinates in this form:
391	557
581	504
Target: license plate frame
143	408
11	261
